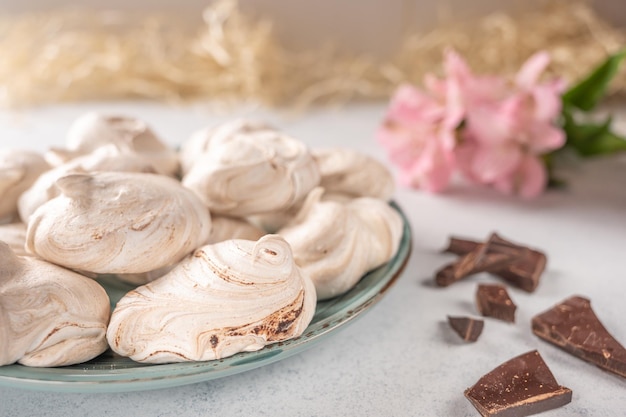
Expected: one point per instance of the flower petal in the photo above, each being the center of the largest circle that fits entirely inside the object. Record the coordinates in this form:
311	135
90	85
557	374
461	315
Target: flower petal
434	85
528	181
456	67
464	155
547	103
492	163
529	74
455	107
491	124
402	145
532	177
410	105
544	137
431	171
505	185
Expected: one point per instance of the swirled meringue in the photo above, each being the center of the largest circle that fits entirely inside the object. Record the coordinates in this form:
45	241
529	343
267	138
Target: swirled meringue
274	221
349	172
252	172
105	158
18	170
225	228
337	243
14	235
222	228
49	316
113	222
230	297
199	142
129	135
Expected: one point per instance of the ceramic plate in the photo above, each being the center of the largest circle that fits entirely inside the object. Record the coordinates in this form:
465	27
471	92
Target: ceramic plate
111	373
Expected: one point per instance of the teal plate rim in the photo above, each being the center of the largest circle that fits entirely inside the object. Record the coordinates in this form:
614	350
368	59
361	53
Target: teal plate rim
112	373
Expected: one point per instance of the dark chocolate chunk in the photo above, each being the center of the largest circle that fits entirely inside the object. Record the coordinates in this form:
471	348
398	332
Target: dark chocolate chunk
521	386
493	300
459	246
466	265
468	328
573	326
524	271
491	255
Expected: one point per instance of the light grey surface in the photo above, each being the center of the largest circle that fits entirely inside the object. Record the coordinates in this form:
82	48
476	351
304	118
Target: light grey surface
400	358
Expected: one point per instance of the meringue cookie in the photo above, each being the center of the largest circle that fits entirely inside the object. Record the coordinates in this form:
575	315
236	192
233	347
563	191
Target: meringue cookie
222	228
381	224
225	228
130	135
273	222
337	243
346	171
199	142
105	158
14	235
112	222
49	316
230	297
252	172
18	170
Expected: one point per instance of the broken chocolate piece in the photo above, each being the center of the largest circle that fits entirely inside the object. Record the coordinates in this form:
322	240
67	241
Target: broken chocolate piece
493	300
464	266
523	272
460	246
519	387
468	328
573	326
491	255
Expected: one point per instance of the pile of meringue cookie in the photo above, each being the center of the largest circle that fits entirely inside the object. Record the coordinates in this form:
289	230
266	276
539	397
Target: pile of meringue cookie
230	241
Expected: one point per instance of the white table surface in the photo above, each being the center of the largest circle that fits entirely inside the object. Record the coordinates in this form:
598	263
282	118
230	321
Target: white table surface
400	358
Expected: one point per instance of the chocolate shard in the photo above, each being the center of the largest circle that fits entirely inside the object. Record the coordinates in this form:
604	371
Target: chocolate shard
521	386
491	255
493	300
523	272
459	246
573	326
464	266
468	328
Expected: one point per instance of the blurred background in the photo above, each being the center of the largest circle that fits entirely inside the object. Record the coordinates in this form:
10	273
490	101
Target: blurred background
372	26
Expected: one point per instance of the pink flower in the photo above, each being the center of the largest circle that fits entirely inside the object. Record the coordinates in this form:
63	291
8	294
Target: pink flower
473	90
505	137
491	129
419	135
528	179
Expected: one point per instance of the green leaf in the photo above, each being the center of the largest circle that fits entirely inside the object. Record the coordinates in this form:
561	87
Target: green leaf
588	92
591	139
605	143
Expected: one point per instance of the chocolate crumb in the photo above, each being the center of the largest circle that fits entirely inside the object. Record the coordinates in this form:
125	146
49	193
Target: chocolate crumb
214	340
